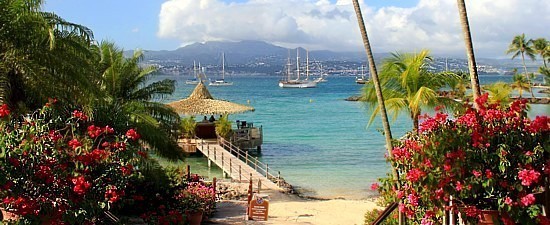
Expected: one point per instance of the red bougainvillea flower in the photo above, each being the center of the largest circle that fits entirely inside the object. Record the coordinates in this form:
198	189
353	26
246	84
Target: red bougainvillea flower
415	174
539	124
94	131
80	115
4	110
74	143
113	194
374	186
127	170
81	186
528	177
132	134
527	200
508	201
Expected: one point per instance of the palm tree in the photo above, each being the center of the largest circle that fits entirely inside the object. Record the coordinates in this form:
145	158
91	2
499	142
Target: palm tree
541	47
409	86
474	79
499	93
128	100
523	47
41	55
379	96
520	83
545	71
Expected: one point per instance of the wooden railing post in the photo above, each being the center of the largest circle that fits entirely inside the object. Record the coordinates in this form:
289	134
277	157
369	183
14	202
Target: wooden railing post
240	180
230	169
188	172
214	187
278	178
214	154
259	185
267	171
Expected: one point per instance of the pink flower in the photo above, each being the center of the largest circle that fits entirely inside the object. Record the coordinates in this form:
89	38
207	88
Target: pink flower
476	173
413	199
458	186
528	177
528	200
508	201
374	186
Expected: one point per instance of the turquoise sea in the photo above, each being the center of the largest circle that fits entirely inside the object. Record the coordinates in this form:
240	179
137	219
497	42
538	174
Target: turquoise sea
320	143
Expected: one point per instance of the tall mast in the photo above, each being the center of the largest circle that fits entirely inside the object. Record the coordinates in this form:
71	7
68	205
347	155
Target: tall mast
307	64
298	63
362	72
223	66
288	65
195	69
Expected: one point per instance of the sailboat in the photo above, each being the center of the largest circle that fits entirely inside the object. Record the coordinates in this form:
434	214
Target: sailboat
221	82
322	77
362	79
297	83
195	80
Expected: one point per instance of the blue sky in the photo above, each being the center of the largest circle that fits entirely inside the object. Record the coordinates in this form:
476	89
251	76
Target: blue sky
394	25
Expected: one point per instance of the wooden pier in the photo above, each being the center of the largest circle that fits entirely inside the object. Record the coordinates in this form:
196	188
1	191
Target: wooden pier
239	165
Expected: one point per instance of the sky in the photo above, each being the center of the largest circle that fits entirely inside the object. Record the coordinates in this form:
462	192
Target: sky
392	25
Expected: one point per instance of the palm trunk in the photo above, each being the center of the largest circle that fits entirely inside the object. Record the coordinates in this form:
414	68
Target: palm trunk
474	79
380	98
526	75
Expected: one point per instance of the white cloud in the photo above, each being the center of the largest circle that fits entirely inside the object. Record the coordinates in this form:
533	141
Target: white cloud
321	24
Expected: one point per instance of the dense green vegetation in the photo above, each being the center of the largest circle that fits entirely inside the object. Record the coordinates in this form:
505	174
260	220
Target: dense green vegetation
43	57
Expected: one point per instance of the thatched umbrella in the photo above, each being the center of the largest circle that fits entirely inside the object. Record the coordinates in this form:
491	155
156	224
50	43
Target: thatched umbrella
201	102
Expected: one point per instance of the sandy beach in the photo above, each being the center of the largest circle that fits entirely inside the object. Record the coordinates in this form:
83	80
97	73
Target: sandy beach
292	209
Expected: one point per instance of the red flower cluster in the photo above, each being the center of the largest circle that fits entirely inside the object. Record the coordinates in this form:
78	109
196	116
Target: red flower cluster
132	134
22	206
81	186
4	110
528	177
80	115
94	131
113	194
74	143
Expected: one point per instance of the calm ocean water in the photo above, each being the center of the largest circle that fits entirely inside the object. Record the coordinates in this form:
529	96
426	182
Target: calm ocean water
319	142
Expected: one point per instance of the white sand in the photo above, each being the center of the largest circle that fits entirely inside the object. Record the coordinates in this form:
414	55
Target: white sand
291	209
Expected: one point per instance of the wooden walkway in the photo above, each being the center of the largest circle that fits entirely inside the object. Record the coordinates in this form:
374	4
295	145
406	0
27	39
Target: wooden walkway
238	165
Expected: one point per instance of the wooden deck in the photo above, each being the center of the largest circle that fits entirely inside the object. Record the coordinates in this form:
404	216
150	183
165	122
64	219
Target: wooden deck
238	165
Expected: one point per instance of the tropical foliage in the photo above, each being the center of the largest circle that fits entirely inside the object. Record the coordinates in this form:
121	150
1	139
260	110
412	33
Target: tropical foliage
128	100
223	127
41	56
409	86
499	93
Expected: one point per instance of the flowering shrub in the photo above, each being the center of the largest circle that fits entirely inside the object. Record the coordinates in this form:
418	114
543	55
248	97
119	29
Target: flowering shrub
197	197
491	158
56	170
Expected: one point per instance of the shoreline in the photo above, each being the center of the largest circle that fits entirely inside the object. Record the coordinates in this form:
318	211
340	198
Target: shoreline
536	100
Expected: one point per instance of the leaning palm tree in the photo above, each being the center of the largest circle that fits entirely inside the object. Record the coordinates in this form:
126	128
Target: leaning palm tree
379	96
474	79
41	56
523	47
520	83
409	86
541	47
128	100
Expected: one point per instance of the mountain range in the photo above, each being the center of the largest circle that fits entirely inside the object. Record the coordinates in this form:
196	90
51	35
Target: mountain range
243	53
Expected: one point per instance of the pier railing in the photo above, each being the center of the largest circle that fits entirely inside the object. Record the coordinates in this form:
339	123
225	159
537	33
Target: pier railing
259	166
235	168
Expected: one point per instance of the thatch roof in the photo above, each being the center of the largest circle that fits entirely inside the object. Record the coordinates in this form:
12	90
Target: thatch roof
201	102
